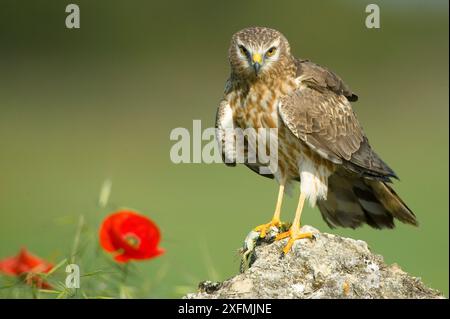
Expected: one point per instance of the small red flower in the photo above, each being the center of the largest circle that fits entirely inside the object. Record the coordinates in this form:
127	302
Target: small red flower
130	236
28	265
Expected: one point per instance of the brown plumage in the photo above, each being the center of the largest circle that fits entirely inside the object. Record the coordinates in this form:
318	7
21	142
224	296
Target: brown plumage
320	141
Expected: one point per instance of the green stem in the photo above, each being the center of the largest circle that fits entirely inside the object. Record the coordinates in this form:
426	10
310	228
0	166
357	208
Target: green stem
125	271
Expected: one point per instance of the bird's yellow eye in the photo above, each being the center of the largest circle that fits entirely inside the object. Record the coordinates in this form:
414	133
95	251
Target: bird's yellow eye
271	51
243	50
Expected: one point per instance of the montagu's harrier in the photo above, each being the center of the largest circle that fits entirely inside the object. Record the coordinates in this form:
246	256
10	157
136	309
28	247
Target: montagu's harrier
319	139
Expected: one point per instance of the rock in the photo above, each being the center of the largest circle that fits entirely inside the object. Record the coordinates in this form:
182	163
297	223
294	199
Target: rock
327	266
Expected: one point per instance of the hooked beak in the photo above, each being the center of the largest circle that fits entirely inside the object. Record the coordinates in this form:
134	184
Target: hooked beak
256	62
256	67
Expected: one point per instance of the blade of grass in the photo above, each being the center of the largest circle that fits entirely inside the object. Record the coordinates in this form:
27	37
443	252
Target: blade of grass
62	262
48	291
76	241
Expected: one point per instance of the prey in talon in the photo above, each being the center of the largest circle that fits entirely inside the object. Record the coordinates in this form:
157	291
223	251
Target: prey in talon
253	239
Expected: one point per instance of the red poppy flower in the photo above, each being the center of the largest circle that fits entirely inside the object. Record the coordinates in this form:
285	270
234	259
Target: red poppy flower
26	264
130	236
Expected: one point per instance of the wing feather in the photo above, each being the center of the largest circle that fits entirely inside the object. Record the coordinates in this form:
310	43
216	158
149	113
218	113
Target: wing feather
319	113
225	137
322	79
225	125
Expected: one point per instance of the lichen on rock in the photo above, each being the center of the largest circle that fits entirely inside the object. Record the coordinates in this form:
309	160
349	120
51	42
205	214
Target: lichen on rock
328	266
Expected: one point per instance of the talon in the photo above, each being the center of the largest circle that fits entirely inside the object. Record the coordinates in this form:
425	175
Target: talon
293	235
264	228
282	235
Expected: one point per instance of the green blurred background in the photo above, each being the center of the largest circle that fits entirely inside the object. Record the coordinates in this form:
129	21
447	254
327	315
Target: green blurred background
80	106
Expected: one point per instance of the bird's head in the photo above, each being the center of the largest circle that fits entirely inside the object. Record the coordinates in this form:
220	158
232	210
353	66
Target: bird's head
257	52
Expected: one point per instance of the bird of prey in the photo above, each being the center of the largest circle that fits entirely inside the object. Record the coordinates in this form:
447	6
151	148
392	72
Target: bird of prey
320	141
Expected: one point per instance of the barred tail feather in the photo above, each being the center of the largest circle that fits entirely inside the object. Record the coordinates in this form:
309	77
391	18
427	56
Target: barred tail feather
353	201
393	203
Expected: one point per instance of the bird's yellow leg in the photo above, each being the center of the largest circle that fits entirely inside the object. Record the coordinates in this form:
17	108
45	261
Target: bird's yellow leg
294	232
264	228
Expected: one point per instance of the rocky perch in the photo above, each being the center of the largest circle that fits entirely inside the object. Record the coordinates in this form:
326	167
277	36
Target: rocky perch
327	266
